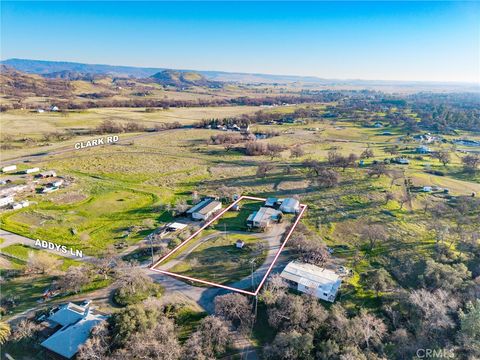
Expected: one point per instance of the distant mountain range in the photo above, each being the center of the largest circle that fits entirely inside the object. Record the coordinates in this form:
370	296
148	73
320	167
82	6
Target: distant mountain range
183	79
76	71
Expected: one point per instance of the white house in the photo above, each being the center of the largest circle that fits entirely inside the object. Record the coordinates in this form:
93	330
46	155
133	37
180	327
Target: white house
310	279
54	108
32	170
290	205
7	200
262	218
21	204
9	168
76	322
204	209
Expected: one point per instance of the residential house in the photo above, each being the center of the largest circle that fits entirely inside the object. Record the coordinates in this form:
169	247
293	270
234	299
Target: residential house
9	168
311	279
12	189
204	209
32	170
75	323
6	200
262	218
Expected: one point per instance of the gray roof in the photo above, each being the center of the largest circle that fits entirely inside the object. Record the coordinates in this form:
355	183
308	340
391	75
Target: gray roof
289	203
68	314
205	206
209	207
67	340
264	214
311	276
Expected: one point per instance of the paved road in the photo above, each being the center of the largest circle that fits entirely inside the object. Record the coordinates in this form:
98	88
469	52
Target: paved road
11	239
39	155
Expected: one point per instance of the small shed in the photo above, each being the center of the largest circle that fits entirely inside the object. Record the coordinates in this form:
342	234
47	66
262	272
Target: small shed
271	202
239	244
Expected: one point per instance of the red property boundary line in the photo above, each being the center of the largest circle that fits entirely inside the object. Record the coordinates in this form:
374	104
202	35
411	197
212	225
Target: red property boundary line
299	216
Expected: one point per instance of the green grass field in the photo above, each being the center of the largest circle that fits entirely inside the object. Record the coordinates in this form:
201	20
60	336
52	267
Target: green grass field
22	252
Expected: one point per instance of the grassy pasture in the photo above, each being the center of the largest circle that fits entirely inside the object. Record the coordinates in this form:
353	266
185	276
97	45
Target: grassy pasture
21	253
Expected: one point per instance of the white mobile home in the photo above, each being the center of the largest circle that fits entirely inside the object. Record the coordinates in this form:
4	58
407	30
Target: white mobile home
204	209
262	218
32	170
9	168
310	279
7	200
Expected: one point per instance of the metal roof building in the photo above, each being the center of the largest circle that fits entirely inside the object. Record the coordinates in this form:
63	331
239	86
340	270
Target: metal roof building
314	280
290	205
204	209
263	217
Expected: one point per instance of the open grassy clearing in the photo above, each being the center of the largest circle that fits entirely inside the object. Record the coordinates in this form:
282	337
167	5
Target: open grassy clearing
29	123
22	252
220	261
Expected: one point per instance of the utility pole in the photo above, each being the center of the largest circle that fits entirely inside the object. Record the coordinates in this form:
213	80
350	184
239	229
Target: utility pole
151	248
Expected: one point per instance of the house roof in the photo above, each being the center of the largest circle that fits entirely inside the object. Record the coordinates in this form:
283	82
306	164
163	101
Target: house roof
311	276
204	206
263	214
210	207
270	201
290	203
176	226
67	340
68	314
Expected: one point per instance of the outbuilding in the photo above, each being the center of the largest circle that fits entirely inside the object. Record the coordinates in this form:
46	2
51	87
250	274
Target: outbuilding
290	206
239	244
311	279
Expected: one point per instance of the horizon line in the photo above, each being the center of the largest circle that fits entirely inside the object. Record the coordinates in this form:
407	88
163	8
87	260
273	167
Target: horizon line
439	82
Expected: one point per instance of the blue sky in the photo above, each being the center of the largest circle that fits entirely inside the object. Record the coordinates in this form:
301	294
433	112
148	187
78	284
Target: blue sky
432	41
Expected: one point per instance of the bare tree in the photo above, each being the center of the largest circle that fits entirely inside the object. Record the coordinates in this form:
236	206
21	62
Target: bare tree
41	262
97	347
209	340
235	308
297	151
443	156
373	234
156	343
471	162
25	330
74	279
